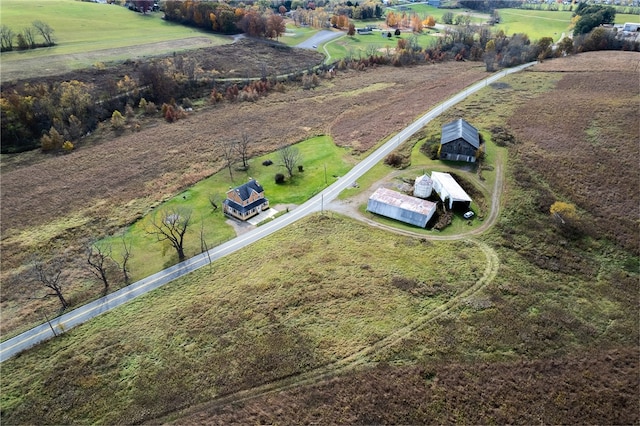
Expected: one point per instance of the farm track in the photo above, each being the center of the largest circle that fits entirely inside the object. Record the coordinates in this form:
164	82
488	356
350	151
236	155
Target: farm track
365	355
357	359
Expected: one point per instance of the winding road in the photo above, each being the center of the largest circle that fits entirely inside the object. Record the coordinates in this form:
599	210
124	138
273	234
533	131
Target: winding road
17	344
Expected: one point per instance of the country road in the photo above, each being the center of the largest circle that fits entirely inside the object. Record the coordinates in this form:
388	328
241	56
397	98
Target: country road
17	344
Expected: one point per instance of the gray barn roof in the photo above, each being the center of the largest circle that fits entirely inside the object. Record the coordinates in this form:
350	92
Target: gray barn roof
404	208
460	129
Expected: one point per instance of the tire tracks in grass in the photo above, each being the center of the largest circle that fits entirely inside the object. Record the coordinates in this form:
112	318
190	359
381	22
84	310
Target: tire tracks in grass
365	355
357	359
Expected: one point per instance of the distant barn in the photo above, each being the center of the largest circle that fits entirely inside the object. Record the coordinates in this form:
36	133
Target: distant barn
404	208
448	189
460	141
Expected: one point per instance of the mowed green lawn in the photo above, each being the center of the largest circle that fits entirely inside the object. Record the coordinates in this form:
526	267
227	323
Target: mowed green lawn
323	162
84	27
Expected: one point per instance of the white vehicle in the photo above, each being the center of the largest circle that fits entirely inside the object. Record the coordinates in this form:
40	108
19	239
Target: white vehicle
468	215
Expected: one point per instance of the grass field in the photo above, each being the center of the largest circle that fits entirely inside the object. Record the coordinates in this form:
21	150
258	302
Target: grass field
85	27
321	160
330	290
359	45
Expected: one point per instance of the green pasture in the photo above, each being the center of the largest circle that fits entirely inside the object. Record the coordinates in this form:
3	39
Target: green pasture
295	34
358	45
535	23
85	27
323	162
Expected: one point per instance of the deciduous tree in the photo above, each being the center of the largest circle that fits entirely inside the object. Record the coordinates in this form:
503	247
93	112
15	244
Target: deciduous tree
48	275
45	31
171	224
290	156
352	29
97	256
227	151
125	255
6	38
275	26
241	146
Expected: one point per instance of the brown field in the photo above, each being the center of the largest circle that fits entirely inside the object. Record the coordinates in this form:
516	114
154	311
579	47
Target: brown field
551	339
591	153
590	388
108	181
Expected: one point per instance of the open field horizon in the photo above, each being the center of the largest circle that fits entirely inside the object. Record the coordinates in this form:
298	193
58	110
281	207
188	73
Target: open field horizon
344	317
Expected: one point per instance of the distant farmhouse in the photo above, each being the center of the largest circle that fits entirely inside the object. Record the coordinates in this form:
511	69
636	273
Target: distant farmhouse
245	201
404	208
448	189
460	141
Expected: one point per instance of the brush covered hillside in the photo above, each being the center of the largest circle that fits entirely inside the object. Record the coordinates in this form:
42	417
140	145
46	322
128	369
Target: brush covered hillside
333	321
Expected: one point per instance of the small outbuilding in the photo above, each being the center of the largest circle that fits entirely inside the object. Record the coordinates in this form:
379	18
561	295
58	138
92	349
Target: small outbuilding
460	141
423	186
407	209
245	201
449	190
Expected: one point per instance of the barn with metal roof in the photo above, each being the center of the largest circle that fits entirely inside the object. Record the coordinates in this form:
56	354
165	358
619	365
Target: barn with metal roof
460	141
448	189
394	205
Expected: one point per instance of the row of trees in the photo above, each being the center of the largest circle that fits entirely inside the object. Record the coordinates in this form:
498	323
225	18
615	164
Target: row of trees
266	24
587	17
28	38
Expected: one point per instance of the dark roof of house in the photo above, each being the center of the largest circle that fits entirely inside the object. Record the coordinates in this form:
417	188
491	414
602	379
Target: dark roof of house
460	129
243	209
244	191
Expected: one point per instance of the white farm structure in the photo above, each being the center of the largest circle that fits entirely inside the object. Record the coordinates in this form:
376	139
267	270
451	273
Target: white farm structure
448	189
423	187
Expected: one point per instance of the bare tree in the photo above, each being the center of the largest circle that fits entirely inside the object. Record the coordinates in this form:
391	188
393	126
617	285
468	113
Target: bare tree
29	35
125	254
227	148
290	156
97	256
170	224
242	146
6	37
49	276
45	31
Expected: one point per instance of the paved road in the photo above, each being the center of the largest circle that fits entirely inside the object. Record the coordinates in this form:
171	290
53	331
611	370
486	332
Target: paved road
17	344
318	38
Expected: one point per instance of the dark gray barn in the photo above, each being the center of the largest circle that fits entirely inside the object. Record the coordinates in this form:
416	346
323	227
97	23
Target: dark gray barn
460	141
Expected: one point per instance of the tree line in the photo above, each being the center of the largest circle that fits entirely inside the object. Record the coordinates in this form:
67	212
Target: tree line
27	38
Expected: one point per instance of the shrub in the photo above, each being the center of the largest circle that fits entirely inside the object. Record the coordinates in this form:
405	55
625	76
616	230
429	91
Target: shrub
431	147
279	178
267	162
51	141
394	160
150	108
117	120
67	146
